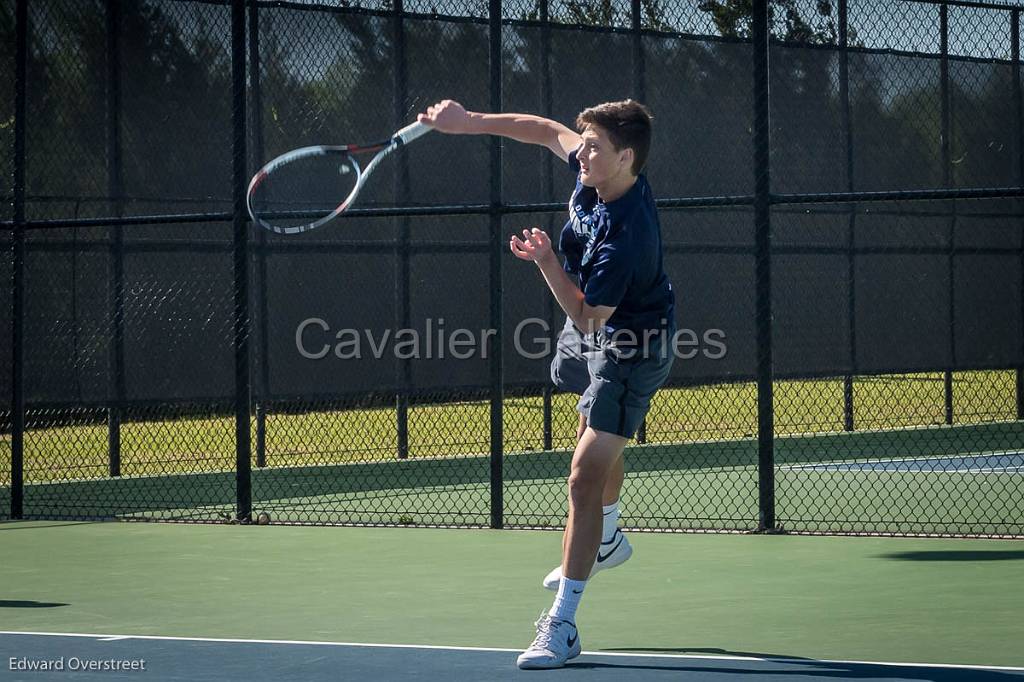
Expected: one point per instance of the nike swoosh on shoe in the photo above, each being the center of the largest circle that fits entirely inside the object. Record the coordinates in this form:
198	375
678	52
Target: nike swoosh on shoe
601	558
615	535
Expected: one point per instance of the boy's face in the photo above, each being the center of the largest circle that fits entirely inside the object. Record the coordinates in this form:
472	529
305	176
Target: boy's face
599	161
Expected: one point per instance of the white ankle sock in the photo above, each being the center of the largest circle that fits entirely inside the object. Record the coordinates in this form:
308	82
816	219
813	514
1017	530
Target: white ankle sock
610	521
567	599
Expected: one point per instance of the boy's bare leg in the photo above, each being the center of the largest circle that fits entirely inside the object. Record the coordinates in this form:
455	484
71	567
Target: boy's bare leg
597	455
612	486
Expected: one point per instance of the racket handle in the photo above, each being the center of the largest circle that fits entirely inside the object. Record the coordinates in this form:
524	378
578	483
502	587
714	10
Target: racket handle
411	132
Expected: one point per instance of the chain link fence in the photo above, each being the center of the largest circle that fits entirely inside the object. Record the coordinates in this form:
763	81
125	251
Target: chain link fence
846	248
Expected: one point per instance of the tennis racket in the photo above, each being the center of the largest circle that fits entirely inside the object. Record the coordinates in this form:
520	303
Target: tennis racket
310	186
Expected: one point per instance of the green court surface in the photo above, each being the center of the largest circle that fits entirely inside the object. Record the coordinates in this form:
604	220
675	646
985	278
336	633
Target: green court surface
839	598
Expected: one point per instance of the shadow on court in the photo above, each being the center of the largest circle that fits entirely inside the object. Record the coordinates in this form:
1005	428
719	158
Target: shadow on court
693	651
815	670
958	555
793	666
27	604
18	525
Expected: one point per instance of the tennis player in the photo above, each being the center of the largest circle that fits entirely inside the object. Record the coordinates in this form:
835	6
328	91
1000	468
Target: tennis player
614	349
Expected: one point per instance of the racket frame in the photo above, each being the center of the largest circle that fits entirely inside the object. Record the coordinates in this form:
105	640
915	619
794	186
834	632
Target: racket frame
383	149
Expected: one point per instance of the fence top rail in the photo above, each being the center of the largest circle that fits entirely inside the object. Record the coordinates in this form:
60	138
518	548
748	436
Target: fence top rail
320	5
975	4
559	24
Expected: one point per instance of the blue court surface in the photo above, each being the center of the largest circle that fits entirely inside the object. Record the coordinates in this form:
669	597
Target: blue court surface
95	657
987	463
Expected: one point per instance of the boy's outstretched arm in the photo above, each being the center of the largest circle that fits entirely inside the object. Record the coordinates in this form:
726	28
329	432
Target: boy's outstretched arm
449	116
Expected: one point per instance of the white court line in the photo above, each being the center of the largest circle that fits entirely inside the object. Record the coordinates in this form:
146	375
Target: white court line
433	647
855	467
909	460
989	470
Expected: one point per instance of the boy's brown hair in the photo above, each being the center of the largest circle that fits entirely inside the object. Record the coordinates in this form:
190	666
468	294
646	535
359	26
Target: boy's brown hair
628	124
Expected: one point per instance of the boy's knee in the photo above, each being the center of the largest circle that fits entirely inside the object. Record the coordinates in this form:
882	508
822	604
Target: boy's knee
585	485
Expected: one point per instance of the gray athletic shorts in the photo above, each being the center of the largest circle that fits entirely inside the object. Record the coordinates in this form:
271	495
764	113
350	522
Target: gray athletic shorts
615	383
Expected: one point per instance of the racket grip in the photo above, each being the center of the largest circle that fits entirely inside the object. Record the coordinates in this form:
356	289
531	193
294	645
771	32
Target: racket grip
412	131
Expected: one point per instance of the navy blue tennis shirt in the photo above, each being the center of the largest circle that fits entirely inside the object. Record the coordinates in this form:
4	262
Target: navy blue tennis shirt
615	251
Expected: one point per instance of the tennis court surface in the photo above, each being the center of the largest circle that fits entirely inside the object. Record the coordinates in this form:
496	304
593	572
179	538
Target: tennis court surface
195	659
221	602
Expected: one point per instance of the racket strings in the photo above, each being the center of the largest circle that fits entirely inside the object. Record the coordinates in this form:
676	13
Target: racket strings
309	186
305	190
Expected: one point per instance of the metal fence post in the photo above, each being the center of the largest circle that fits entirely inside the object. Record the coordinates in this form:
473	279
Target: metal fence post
639	66
115	189
548	184
849	423
243	449
640	94
403	288
256	133
1018	103
496	252
947	183
18	275
763	246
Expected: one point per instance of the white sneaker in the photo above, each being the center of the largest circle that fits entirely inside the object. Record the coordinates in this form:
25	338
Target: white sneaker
557	641
609	555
